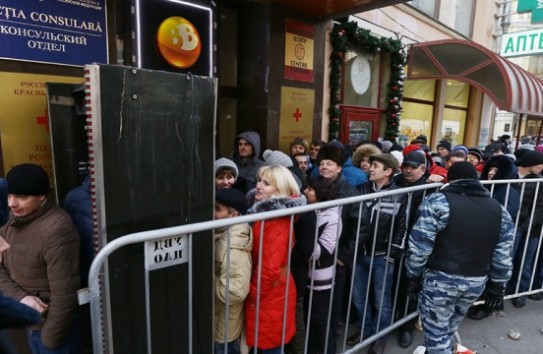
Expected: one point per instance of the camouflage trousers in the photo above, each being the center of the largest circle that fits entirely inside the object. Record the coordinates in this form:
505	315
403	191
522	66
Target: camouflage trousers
443	303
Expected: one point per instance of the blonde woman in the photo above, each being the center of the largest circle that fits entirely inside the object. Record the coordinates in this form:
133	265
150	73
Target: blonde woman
276	189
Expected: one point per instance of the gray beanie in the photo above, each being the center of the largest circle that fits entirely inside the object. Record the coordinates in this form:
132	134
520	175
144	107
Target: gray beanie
276	157
224	163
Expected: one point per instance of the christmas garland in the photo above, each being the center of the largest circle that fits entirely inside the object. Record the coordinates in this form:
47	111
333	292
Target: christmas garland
349	37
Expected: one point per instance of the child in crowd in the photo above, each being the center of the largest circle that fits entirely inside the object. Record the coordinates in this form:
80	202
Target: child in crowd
231	281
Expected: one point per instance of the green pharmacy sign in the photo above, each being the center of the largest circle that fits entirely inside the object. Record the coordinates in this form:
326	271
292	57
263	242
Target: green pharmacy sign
533	6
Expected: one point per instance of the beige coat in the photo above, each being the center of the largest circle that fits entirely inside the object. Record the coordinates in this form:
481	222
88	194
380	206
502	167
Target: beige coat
43	261
241	244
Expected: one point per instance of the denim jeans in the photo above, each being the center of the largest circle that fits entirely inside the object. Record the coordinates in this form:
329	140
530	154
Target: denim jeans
232	347
71	344
382	277
526	272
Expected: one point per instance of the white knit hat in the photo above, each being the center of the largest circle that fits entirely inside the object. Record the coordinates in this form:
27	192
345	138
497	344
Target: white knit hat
224	163
276	157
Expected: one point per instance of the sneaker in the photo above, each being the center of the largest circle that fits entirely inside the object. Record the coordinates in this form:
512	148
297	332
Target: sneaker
460	349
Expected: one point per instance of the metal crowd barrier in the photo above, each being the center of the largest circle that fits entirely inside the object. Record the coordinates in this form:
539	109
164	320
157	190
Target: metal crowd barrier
401	312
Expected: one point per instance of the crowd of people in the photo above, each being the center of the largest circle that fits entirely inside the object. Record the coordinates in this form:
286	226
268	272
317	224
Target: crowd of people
287	280
360	252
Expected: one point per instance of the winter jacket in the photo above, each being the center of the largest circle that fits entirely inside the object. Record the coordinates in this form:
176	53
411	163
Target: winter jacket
78	204
386	212
304	233
14	314
238	278
501	192
353	175
434	218
43	261
248	167
273	279
351	233
321	274
527	205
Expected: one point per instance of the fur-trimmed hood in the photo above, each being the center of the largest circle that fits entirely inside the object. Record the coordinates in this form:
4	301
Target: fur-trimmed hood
506	168
365	150
277	204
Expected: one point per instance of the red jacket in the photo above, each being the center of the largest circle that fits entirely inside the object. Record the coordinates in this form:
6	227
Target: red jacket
273	282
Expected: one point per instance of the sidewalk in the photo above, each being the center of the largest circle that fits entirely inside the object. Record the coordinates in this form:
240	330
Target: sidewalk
489	336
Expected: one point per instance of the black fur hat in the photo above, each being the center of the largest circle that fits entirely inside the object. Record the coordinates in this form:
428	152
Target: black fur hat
332	152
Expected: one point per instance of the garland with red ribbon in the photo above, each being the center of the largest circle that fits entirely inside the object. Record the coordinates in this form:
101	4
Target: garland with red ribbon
349	37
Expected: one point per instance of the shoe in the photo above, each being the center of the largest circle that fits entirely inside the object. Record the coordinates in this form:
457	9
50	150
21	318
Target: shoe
378	347
354	339
519	302
406	338
478	313
536	297
460	349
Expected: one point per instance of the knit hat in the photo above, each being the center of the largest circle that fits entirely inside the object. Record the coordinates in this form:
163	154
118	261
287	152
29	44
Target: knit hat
398	155
528	159
224	163
387	159
410	148
462	170
386	145
444	144
422	138
476	152
232	198
460	148
414	159
27	179
332	152
276	157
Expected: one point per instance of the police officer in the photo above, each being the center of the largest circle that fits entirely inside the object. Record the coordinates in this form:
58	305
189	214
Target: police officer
449	260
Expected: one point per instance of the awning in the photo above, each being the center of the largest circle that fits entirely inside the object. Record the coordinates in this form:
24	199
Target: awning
332	9
511	88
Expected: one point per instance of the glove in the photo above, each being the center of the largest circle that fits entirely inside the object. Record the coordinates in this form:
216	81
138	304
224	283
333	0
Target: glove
494	296
414	286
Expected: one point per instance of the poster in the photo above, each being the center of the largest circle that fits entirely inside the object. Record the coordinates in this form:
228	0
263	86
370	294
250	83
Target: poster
24	120
71	32
299	51
296	118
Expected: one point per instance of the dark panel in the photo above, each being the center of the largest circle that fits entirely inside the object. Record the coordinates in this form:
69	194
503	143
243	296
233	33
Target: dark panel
156	136
68	136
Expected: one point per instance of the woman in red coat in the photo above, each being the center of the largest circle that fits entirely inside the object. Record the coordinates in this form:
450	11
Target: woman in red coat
276	189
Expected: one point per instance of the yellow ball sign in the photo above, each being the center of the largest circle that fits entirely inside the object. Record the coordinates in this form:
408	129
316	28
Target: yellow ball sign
178	42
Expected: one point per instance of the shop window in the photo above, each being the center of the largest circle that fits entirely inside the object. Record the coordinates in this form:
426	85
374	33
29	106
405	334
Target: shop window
420	89
453	125
456	94
416	120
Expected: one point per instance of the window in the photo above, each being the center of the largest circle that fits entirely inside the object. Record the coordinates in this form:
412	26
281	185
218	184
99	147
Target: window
456	14
455	112
418	110
426	6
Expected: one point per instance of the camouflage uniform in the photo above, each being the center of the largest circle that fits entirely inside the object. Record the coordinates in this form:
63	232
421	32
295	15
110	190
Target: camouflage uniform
445	298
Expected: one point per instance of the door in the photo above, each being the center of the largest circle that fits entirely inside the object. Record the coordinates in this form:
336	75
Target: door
359	124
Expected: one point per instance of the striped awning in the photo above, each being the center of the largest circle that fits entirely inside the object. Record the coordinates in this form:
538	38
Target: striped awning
509	86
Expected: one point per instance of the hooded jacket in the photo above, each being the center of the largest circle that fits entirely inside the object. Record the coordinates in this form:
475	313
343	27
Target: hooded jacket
238	278
43	261
273	237
248	167
506	170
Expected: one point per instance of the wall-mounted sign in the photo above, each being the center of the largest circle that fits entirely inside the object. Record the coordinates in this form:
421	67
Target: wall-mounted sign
299	51
296	118
360	75
174	35
24	120
522	43
54	31
533	6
